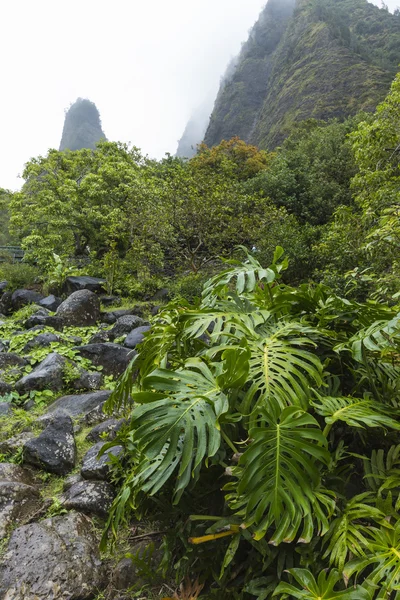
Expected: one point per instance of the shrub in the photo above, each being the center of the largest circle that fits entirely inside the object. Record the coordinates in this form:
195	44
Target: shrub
18	275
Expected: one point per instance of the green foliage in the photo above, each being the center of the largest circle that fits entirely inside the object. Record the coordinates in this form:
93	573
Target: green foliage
19	275
282	390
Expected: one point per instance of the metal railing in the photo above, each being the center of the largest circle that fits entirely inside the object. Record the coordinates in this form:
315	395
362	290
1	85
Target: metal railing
14	252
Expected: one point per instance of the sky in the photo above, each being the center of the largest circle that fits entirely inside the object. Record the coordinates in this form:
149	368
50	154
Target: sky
146	64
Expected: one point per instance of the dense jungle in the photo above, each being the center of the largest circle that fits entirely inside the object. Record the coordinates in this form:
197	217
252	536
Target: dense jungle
200	357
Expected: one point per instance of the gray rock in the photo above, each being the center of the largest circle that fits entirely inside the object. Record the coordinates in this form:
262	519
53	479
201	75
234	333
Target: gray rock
54	450
124	325
95	467
55	559
108	429
41	341
3	285
96	415
136	336
21	298
13	472
78	404
92	497
18	502
14	443
108	318
113	358
5	303
10	359
81	308
84	282
47	375
5	388
50	302
88	381
5	408
100	337
4	344
71	480
42	321
109	300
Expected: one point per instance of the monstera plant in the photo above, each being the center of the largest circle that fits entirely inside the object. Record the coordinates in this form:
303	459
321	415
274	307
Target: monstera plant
290	398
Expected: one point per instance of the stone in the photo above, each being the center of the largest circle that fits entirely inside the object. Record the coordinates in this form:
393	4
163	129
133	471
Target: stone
19	498
124	325
82	308
75	405
84	282
5	408
50	302
16	442
3	285
4	344
23	297
13	472
136	336
88	381
10	359
5	303
55	559
5	388
106	430
41	341
92	497
100	337
109	300
113	358
108	318
54	450
71	480
95	467
47	375
43	321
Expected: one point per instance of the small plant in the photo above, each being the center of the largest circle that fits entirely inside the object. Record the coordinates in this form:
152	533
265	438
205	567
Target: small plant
18	275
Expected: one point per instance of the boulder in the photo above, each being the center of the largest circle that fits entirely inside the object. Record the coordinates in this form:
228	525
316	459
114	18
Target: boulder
81	308
106	430
5	408
54	450
109	300
136	336
19	498
100	337
16	442
21	298
3	285
5	388
47	375
95	467
41	341
55	559
113	358
83	282
50	302
78	404
88	381
10	359
44	321
124	325
91	497
5	303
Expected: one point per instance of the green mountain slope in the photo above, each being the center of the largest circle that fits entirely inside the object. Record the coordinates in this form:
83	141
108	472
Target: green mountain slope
82	126
306	59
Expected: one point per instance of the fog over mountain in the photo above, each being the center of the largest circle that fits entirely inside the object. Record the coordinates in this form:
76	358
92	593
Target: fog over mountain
147	66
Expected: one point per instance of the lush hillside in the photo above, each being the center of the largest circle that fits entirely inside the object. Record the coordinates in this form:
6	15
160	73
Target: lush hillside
82	126
318	59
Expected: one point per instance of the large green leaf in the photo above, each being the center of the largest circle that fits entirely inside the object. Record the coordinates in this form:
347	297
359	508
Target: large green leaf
279	474
176	425
320	589
348	532
356	412
382	556
280	368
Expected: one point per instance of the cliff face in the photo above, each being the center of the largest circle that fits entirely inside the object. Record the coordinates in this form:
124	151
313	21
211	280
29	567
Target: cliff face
82	126
306	59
